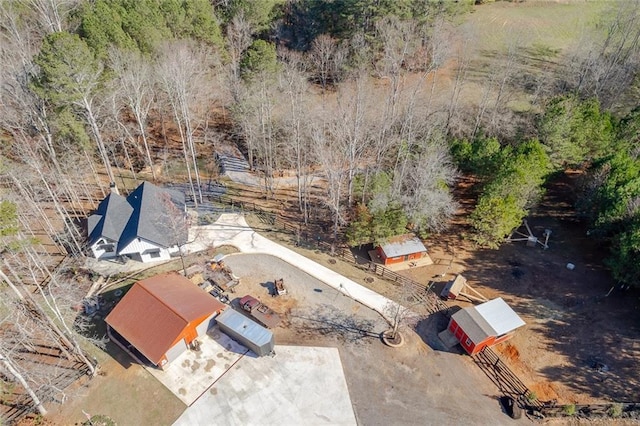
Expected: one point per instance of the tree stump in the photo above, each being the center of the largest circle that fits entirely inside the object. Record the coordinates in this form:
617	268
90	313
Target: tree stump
389	340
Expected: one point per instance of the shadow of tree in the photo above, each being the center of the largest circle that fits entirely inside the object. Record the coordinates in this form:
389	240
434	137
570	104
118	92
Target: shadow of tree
327	320
567	311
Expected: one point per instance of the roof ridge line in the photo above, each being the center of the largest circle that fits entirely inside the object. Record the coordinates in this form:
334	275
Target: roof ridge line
162	302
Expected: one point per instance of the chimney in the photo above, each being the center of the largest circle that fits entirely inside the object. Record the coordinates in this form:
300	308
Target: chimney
113	188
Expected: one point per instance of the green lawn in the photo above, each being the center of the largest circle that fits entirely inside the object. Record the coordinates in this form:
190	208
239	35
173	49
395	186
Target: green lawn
543	26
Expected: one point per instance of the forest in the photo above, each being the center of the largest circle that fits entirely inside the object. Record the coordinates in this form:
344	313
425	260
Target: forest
387	103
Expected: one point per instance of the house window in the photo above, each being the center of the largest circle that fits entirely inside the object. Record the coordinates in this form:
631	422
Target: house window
154	254
106	247
406	257
467	342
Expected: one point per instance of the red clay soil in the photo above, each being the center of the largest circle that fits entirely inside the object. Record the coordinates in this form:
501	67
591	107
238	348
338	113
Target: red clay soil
579	345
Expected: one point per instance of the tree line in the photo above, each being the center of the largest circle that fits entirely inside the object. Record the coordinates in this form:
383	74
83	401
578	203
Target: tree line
384	103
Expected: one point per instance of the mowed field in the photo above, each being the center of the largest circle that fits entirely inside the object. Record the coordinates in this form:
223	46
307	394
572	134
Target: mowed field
553	25
522	44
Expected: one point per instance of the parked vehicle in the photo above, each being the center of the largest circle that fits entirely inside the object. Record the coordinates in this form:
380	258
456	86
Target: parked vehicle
262	313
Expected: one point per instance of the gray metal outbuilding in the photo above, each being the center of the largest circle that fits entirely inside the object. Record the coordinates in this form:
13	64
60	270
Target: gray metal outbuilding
246	331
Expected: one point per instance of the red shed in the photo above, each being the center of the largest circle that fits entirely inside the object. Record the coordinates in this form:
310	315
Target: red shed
161	316
484	325
401	249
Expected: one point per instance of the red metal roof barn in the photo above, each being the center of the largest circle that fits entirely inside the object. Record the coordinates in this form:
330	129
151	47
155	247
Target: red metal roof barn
401	249
161	316
487	324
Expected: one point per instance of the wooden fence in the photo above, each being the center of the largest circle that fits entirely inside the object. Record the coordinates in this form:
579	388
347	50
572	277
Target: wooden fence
488	361
302	236
506	381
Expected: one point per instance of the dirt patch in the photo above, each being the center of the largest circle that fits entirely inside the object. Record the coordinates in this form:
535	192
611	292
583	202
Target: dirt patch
125	392
386	385
572	324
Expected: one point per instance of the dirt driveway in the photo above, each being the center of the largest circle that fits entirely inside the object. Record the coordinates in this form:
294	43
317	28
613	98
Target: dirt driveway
410	385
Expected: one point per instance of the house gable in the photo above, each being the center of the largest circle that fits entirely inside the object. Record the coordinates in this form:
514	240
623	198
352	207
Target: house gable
473	325
110	218
484	325
149	220
146	323
152	219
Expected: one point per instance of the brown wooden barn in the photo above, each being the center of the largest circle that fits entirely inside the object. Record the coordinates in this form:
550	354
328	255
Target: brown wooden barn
401	249
487	324
161	316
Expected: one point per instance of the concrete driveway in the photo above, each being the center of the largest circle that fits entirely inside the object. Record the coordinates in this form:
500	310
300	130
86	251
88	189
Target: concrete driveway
192	373
298	386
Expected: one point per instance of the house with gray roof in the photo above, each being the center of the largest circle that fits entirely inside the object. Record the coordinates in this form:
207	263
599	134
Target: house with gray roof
148	225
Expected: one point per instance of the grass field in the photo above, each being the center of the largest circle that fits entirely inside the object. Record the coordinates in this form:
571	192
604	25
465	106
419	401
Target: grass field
546	26
534	34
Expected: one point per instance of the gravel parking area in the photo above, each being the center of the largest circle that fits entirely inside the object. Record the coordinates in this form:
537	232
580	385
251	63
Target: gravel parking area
413	384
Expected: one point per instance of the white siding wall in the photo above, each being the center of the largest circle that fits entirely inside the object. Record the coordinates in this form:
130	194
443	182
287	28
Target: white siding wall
100	253
146	250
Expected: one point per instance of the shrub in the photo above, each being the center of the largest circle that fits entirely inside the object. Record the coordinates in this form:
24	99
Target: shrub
531	396
99	420
569	410
615	410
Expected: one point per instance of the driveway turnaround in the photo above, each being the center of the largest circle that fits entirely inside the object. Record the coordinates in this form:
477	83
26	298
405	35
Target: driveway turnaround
298	386
232	229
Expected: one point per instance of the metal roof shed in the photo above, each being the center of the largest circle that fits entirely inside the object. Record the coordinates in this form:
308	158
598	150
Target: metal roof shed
488	324
246	331
401	248
499	316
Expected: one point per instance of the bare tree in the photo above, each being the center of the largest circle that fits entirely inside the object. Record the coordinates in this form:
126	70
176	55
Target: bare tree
66	338
293	82
400	316
18	178
351	127
327	58
174	221
28	118
182	71
238	40
605	68
331	162
13	369
462	59
426	195
134	80
70	76
52	13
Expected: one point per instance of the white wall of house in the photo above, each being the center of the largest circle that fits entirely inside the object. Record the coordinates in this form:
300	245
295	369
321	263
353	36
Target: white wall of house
104	248
145	251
